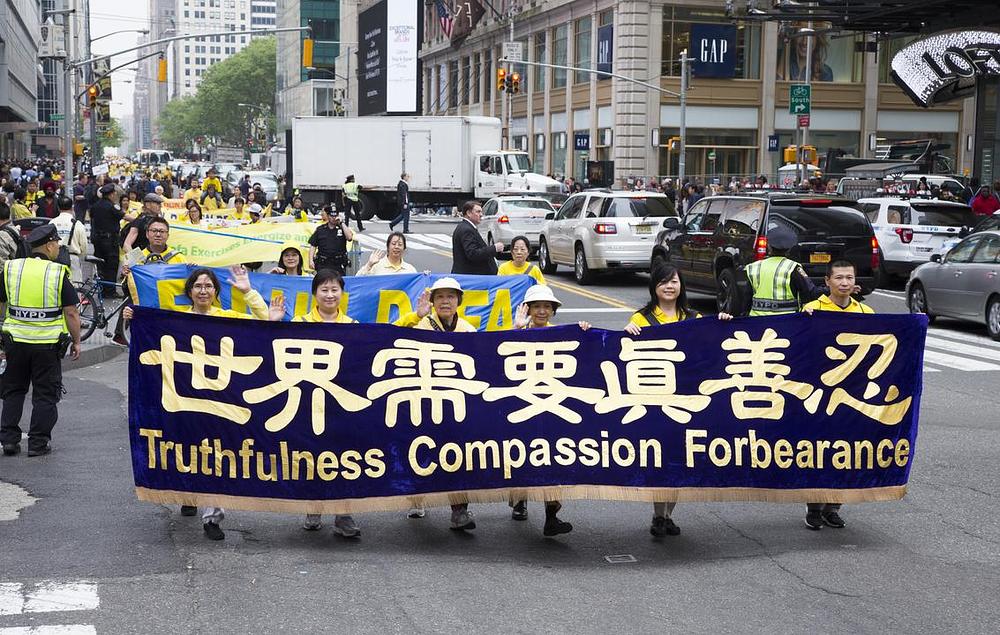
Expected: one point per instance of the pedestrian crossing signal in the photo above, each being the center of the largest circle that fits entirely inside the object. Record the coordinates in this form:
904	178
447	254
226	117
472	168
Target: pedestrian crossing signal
501	79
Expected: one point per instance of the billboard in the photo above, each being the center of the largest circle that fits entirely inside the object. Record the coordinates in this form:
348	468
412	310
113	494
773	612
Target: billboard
714	48
388	75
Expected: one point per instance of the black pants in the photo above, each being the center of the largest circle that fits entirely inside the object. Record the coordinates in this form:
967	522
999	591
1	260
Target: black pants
355	207
107	249
403	217
39	366
338	264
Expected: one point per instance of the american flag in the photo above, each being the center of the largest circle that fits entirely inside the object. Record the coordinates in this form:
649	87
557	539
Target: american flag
445	17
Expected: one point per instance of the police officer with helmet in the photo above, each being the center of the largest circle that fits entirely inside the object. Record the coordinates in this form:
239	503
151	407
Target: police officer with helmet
40	323
779	284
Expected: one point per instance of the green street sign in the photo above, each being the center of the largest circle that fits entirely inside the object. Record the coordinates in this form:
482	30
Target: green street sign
57	117
711	155
799	98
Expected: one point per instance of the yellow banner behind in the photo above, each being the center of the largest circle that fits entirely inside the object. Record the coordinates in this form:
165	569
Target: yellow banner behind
225	246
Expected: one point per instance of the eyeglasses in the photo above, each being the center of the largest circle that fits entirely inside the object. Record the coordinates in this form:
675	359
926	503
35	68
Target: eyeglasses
204	287
158	231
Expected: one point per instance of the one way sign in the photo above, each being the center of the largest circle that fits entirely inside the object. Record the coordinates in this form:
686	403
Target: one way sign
799	98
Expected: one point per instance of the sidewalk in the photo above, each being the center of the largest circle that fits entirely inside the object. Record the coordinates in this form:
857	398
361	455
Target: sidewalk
95	350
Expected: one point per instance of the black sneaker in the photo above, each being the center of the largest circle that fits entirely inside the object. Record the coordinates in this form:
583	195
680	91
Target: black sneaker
814	520
520	511
11	449
833	519
214	532
554	526
664	526
42	451
188	510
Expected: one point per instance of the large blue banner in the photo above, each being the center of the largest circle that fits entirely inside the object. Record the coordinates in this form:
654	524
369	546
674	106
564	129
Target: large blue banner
489	302
340	418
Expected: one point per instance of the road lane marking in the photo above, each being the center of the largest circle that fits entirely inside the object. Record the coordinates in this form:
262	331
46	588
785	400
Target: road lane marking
957	363
965	349
963	337
896	295
54	629
46	597
436	239
13	498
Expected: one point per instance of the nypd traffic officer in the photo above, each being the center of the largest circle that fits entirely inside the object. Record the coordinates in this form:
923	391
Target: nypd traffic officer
779	284
40	323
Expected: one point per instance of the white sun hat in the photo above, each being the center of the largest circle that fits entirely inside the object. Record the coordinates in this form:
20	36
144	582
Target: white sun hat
446	283
541	293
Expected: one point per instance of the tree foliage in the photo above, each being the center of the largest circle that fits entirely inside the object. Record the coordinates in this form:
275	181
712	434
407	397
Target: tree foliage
214	113
114	135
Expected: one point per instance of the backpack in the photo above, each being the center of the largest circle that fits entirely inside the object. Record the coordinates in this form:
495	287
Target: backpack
21	245
64	256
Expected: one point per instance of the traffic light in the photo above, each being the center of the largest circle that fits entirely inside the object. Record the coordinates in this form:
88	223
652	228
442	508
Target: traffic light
515	82
92	93
161	70
307	52
501	79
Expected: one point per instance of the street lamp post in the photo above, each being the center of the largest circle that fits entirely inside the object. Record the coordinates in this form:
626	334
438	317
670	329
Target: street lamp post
101	37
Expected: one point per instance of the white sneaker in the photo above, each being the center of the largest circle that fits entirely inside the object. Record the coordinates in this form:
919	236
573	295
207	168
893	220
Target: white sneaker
313	522
416	512
345	526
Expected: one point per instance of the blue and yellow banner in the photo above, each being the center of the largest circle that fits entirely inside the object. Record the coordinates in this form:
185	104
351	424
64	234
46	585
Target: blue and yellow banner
341	418
489	302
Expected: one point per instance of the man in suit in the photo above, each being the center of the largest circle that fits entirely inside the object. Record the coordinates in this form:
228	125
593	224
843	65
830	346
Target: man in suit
402	203
469	252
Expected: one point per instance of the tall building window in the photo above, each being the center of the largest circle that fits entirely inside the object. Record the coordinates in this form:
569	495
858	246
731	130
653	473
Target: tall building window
559	56
540	56
452	84
582	44
466	86
474	77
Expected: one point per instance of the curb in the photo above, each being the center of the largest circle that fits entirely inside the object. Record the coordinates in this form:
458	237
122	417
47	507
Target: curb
94	355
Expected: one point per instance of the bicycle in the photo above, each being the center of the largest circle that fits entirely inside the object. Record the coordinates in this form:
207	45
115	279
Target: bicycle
91	306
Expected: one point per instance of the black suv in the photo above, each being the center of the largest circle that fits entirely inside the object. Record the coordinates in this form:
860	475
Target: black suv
720	235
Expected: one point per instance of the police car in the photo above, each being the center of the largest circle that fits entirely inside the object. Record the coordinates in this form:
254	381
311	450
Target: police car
911	230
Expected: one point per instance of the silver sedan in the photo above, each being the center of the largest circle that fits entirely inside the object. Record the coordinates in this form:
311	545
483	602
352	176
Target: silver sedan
964	284
506	217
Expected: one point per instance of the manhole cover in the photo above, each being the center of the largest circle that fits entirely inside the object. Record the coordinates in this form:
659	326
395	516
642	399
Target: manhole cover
621	558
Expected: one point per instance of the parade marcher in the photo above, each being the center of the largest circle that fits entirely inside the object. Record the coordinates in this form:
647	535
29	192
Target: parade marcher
40	322
518	264
297	210
32	195
105	218
10	237
840	278
194	190
194	213
352	201
211	189
469	252
390	261
402	204
72	236
445	296
20	209
239	213
47	206
539	305
328	243
779	284
135	235
290	262
667	304
327	289
202	289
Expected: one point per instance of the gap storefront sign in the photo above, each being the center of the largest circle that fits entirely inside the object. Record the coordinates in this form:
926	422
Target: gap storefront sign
713	47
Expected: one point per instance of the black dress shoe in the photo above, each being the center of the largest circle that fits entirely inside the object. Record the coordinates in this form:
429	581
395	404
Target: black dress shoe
214	532
11	449
39	451
188	510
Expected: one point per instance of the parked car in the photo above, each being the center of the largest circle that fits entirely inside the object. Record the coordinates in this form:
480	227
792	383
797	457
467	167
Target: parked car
506	217
268	181
602	230
963	284
911	230
720	235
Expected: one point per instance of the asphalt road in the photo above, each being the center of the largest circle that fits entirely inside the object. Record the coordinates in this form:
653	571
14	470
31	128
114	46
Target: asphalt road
85	554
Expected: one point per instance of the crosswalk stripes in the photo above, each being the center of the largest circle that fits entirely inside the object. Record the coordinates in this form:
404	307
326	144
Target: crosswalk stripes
30	599
947	350
419	242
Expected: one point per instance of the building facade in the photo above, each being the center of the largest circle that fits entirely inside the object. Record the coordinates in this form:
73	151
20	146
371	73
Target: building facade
196	56
316	91
263	14
20	24
49	138
565	119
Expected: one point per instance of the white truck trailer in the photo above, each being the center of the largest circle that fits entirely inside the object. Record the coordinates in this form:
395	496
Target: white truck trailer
449	160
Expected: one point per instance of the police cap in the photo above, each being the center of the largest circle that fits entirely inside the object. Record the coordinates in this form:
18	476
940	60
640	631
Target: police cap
107	189
781	238
41	235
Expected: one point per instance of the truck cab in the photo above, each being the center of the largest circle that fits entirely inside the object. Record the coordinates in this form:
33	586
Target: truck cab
507	171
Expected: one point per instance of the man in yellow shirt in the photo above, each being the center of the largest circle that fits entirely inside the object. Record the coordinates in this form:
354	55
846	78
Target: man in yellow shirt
194	191
239	214
840	279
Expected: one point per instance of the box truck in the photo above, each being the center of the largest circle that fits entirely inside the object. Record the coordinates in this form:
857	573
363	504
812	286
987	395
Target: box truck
449	159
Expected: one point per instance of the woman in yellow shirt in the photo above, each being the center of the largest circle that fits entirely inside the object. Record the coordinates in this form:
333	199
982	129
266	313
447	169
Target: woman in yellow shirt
539	305
520	248
202	289
193	216
290	261
327	290
667	304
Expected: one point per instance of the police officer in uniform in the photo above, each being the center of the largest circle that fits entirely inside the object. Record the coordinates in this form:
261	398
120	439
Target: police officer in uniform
779	284
328	243
105	223
40	322
352	202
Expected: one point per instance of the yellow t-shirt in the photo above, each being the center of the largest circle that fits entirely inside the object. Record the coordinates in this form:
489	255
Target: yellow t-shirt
253	299
194	192
314	316
19	210
661	318
510	269
824	303
214	180
429	322
245	216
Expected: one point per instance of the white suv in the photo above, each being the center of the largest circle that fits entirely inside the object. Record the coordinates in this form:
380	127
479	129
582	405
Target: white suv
605	230
910	231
